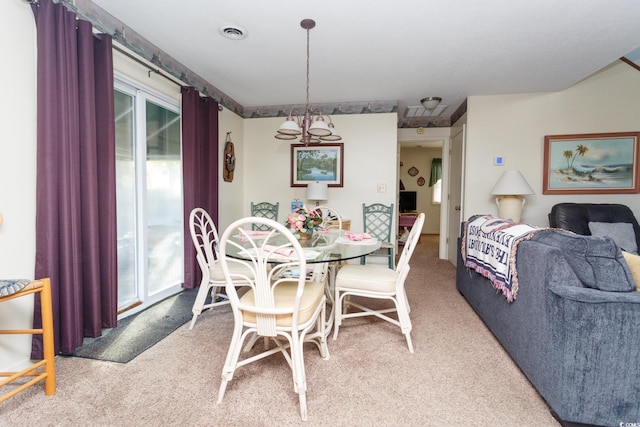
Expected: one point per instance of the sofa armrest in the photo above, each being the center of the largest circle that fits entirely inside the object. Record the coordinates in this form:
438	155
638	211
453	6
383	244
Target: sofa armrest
597	335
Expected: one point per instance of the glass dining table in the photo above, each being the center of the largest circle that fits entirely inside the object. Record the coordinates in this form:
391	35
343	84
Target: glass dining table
324	252
323	247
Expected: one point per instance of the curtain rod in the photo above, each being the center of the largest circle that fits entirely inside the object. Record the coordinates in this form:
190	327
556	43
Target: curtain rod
135	44
153	69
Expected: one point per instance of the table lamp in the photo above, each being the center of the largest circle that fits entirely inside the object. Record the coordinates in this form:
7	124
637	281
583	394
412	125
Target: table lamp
510	189
317	191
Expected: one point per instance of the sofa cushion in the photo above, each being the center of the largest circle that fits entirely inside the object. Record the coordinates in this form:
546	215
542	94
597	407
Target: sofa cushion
633	261
597	261
621	232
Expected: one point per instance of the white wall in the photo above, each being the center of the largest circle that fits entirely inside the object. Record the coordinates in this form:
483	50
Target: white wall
17	172
514	126
231	194
370	152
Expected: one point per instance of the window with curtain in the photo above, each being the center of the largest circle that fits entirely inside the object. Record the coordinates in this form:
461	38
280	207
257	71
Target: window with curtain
149	196
435	181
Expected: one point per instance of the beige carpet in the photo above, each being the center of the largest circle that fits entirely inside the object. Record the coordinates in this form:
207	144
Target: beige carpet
458	376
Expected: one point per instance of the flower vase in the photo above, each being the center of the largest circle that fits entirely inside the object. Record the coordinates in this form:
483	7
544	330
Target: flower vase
304	238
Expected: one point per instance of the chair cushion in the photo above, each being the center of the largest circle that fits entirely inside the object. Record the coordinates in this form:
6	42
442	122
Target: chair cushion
285	295
367	277
10	287
621	232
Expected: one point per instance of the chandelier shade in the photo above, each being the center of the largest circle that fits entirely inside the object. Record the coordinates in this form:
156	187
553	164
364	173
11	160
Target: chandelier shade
311	126
319	128
332	137
289	127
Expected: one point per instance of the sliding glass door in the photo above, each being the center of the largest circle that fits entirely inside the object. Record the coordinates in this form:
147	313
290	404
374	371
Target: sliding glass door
149	197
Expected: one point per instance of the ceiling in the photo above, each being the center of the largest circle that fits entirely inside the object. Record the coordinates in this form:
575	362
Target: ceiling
379	56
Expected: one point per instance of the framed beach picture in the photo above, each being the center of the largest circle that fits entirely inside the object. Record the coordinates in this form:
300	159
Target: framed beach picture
597	163
321	162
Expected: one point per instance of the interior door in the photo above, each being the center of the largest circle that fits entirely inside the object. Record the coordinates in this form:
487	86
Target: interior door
456	190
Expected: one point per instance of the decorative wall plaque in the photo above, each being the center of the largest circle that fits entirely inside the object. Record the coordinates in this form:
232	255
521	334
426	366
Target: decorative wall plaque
229	159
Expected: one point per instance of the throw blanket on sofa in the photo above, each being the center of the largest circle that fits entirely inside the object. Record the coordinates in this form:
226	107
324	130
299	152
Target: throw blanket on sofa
489	247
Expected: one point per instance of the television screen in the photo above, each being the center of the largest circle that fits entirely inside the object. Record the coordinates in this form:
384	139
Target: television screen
408	201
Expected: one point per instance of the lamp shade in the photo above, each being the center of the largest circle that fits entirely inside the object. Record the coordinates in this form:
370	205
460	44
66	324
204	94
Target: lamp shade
511	183
317	191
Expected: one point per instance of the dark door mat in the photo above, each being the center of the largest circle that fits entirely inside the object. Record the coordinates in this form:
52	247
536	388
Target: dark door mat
136	333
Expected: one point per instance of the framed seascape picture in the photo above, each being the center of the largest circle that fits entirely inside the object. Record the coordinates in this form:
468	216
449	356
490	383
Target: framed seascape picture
597	163
321	162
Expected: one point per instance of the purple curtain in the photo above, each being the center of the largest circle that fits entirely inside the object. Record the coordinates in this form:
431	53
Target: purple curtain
75	189
200	169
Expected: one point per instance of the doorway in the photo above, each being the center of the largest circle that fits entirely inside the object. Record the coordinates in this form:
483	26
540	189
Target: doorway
414	175
450	143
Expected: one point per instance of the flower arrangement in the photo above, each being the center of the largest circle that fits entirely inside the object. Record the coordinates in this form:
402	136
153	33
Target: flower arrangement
303	221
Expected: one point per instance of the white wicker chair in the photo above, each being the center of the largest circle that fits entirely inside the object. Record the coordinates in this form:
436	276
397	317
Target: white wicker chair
378	282
287	311
205	239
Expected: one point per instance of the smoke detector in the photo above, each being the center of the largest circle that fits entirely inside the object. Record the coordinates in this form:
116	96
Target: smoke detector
233	32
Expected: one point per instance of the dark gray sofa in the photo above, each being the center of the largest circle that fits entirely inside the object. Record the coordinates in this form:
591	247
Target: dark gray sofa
578	345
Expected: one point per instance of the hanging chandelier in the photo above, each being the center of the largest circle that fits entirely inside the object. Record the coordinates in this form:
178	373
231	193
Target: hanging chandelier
311	125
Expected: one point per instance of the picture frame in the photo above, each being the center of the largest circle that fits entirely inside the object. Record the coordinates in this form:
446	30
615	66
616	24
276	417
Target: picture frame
319	162
595	163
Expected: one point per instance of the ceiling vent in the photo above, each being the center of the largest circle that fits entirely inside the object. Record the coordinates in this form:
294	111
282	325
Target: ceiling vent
420	111
233	32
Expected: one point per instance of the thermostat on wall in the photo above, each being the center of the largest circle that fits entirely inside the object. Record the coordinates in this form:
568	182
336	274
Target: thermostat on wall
498	161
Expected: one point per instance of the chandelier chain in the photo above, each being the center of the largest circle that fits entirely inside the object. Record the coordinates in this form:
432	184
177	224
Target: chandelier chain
307	105
313	129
